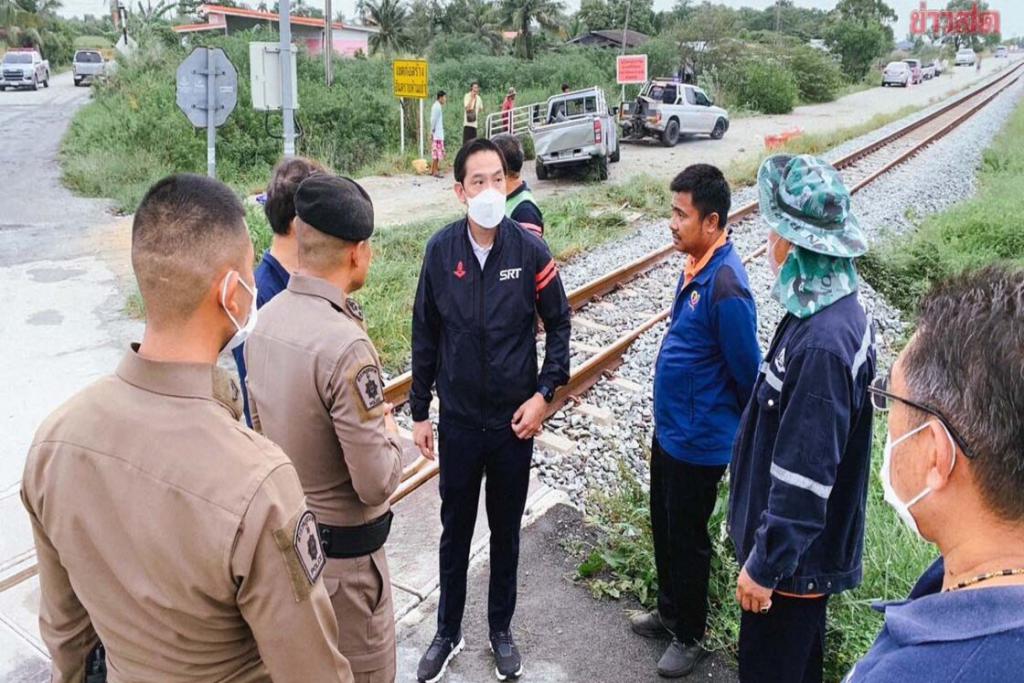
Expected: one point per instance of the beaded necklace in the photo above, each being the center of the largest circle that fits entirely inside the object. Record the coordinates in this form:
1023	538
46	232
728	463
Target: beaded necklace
985	577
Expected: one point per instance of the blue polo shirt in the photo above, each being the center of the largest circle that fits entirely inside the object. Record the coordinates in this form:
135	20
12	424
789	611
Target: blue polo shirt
708	362
271	279
964	636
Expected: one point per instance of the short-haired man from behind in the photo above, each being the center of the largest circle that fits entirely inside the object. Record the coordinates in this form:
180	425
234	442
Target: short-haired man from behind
703	377
281	259
953	470
163	527
316	389
520	205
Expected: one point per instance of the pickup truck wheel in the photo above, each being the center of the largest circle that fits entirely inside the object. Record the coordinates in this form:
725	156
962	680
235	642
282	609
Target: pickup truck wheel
614	158
719	130
671	135
46	83
542	171
602	168
78	82
35	83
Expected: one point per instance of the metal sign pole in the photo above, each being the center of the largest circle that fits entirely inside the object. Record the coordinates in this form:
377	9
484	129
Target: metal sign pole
328	43
421	127
211	110
287	106
401	124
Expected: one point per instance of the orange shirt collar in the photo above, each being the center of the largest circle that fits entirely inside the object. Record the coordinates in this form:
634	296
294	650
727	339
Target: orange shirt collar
693	267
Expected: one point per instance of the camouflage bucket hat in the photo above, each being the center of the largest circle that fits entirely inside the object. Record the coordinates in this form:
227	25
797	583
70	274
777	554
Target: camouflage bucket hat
804	200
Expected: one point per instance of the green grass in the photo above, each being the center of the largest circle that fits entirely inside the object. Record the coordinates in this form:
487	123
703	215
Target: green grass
623	564
985	228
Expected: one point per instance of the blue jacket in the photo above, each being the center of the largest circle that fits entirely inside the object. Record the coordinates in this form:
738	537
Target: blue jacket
474	330
271	279
800	466
966	636
708	362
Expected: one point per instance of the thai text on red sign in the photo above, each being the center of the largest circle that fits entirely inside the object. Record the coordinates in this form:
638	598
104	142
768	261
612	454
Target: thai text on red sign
941	22
630	69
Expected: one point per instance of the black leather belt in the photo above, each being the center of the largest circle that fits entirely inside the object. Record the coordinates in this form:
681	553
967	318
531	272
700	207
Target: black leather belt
355	541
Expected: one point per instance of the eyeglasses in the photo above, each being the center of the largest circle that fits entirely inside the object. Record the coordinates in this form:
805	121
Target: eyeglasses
881	396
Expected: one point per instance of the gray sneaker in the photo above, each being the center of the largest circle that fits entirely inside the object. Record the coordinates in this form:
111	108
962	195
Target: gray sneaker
650	625
680	660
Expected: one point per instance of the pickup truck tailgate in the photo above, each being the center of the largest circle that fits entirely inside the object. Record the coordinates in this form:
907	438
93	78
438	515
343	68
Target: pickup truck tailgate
564	135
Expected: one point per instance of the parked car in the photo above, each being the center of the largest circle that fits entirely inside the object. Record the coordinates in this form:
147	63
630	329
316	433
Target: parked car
916	73
24	68
965	57
1002	53
896	73
940	66
928	71
667	109
577	130
88	66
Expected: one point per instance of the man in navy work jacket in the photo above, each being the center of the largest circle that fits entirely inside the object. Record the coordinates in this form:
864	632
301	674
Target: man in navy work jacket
483	283
953	471
281	259
801	463
703	377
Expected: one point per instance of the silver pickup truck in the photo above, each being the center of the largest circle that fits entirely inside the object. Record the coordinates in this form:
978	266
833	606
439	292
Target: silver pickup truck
88	66
23	68
576	129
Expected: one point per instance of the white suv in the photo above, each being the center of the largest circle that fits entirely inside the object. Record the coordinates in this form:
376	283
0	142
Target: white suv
896	73
965	57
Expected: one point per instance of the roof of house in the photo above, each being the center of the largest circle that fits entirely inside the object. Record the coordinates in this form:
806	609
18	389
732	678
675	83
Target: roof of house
633	38
246	13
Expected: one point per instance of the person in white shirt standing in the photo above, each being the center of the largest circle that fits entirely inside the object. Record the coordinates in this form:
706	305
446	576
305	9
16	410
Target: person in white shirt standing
437	134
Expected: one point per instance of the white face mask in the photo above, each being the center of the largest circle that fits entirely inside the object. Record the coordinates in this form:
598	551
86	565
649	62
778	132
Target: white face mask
487	208
903	509
242	332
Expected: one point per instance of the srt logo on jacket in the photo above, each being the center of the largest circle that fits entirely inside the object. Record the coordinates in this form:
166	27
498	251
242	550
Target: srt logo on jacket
509	274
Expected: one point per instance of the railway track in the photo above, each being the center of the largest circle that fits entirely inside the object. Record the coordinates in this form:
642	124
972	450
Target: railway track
633	290
859	169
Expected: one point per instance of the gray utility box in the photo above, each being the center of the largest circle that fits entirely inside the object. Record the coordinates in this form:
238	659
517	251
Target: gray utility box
265	76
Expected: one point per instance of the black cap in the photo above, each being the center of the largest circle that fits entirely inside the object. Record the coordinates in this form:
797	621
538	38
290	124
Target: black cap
335	206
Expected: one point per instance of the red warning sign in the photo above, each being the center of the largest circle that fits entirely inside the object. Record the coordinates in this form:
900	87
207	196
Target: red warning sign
630	69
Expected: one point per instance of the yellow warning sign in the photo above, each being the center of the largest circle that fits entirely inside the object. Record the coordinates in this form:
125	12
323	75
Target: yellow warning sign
411	78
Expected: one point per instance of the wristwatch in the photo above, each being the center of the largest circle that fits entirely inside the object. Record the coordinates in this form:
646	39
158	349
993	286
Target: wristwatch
547	392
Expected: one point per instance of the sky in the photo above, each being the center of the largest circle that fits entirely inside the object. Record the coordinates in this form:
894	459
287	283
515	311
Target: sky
1011	11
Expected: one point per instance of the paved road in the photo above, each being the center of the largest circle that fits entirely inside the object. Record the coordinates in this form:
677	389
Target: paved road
60	321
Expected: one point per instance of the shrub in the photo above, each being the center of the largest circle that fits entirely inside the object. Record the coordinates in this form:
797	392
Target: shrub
765	86
818	77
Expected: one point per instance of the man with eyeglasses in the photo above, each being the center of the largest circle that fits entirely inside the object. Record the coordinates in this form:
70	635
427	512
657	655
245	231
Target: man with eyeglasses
801	461
953	470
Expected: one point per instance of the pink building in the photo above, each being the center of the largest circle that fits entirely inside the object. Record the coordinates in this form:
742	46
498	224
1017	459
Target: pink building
307	31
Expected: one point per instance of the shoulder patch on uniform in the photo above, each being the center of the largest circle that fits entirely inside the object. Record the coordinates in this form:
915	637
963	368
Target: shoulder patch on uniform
306	544
370	386
354	309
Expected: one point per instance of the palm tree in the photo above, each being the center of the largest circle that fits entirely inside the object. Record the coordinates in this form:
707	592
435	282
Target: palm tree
520	15
40	7
391	19
477	18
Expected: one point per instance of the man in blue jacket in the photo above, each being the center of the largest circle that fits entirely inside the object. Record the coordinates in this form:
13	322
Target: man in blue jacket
801	462
703	377
953	470
483	283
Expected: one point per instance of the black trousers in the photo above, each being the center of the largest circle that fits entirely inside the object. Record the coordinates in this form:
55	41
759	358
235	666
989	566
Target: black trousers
682	500
786	645
465	457
468	133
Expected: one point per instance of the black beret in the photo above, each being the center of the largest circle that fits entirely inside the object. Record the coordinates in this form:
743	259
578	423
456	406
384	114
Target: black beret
335	206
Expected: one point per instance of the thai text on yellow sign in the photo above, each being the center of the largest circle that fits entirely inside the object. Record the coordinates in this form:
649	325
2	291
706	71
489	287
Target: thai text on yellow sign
411	78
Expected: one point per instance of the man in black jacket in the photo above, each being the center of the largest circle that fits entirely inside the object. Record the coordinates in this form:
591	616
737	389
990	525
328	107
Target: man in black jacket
484	281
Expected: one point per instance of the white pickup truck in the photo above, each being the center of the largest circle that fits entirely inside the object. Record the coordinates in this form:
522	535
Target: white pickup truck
575	129
24	69
667	109
88	66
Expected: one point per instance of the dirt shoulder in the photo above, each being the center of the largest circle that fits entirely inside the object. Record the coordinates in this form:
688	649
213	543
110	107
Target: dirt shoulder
401	199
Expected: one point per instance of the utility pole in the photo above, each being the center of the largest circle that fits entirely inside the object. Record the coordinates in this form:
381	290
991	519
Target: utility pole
625	27
287	106
778	14
328	44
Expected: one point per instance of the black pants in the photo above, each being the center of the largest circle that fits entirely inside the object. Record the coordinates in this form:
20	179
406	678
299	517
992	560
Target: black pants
786	645
682	500
468	133
465	457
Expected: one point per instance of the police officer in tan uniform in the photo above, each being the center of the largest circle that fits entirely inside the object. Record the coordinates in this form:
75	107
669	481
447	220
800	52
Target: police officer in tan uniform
315	388
163	526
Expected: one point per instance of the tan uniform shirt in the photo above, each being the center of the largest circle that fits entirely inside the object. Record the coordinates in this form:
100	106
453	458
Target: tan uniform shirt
176	536
315	389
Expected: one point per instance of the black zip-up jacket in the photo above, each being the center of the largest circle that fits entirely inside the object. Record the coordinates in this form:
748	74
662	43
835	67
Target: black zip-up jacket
474	332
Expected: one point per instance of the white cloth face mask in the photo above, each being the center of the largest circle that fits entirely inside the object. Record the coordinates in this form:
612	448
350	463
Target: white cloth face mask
487	208
242	332
903	509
